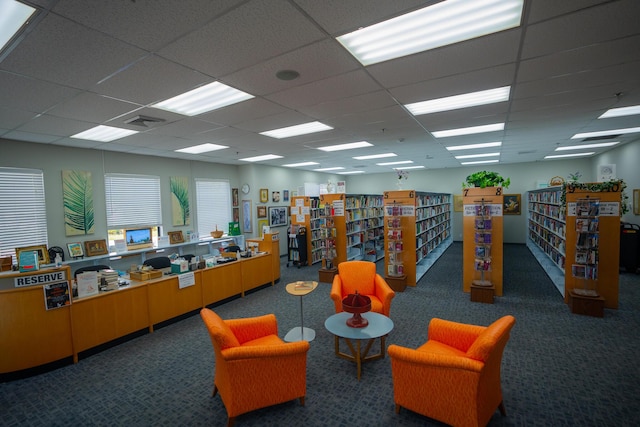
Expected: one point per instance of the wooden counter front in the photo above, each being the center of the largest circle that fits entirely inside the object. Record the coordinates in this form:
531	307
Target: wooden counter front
221	282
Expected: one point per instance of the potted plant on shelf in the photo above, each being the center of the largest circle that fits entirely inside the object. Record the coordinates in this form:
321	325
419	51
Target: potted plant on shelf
484	179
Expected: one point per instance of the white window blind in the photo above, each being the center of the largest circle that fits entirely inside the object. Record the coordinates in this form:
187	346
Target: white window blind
23	214
132	200
213	205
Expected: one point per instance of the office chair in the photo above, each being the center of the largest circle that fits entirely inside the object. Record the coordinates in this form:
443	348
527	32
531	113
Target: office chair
90	268
53	251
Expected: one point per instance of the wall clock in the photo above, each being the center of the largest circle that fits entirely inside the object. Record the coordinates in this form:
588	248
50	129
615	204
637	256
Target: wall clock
245	188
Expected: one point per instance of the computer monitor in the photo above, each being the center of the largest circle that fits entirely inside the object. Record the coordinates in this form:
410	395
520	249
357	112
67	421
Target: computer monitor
138	238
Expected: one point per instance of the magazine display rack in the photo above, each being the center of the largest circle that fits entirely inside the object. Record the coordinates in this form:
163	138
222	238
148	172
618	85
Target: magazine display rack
585	266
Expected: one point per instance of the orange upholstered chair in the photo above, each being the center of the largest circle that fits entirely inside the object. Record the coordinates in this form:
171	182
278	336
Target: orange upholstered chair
254	368
361	276
455	376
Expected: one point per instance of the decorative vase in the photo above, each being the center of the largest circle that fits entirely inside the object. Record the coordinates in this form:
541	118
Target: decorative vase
356	304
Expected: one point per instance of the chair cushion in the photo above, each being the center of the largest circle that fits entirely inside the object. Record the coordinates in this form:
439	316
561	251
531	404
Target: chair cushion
266	340
437	347
357	275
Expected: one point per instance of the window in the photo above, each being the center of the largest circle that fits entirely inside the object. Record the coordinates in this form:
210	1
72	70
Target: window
132	201
23	215
213	205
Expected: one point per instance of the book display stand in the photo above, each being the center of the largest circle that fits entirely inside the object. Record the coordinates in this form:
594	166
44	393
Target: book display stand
327	238
395	276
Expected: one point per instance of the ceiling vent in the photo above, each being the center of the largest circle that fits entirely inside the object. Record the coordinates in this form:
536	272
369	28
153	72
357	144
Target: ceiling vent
143	121
601	138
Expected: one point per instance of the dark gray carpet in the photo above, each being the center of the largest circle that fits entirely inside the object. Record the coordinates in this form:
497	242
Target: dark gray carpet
558	368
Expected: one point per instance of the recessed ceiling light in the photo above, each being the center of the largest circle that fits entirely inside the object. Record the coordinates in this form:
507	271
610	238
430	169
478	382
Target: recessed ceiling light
622	111
456	102
14	18
401	162
474	146
441	24
375	156
350	172
202	148
605	132
261	158
587	146
480	162
297	165
104	133
348	146
408	167
560	156
335	168
468	131
473	156
296	130
205	98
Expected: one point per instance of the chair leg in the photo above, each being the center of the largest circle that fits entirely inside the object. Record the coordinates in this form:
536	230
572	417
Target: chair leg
397	408
301	400
503	411
215	390
231	421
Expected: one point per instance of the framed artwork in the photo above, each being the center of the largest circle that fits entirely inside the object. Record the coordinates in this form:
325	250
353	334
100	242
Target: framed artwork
457	203
261	224
636	202
95	247
180	212
264	195
234	196
275	197
75	250
262	211
175	237
43	254
246	215
77	199
511	204
236	215
278	216
285	195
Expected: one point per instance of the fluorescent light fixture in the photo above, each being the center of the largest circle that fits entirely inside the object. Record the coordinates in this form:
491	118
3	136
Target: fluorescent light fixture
480	162
474	146
560	156
261	158
297	165
404	168
13	18
202	148
468	131
473	156
348	146
441	24
296	130
605	133
622	111
205	98
587	146
401	162
104	133
350	172
375	156
335	168
456	102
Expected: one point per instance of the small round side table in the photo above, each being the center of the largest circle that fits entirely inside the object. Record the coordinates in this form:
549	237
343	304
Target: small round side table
300	333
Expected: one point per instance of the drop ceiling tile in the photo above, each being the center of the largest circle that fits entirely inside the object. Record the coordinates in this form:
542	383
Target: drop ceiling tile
91	107
29	94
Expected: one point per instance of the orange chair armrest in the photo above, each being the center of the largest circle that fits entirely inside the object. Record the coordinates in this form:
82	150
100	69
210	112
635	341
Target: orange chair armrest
454	334
336	293
383	290
408	355
252	328
266	351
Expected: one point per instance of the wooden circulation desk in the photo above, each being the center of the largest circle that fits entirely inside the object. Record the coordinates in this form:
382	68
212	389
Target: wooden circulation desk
32	336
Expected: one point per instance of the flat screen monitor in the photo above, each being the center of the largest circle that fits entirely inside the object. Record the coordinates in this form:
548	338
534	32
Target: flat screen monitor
138	238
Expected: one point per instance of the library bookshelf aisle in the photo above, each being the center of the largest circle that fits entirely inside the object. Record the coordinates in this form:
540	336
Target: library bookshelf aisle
365	227
485	205
553	238
73	325
304	213
425	220
328	236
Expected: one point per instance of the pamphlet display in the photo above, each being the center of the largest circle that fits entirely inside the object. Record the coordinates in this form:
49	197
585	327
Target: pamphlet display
585	266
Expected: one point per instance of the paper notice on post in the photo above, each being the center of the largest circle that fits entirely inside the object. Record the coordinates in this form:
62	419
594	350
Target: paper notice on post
186	279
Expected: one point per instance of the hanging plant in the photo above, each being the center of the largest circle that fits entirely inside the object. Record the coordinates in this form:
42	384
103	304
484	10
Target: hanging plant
485	179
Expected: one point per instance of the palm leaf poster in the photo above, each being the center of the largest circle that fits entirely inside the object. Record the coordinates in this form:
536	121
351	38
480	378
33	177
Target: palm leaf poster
77	196
180	200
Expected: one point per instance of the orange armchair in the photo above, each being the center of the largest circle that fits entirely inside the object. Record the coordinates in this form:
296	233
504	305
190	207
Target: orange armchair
254	368
361	276
455	376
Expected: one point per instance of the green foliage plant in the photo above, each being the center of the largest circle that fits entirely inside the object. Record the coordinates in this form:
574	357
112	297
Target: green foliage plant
485	179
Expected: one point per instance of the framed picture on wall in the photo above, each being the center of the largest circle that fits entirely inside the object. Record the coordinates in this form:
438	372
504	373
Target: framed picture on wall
247	220
262	211
175	237
285	195
511	204
95	247
264	195
278	216
43	254
234	196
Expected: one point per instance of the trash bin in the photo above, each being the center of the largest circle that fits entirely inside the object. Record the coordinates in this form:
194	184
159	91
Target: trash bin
629	246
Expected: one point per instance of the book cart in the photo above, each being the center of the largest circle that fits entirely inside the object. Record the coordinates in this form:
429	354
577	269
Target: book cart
482	243
297	245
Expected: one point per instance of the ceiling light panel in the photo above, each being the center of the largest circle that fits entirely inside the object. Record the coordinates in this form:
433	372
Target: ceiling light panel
561	156
375	156
297	130
456	102
473	156
104	133
622	111
468	131
605	133
401	162
206	98
202	148
474	146
404	168
587	146
479	162
12	19
261	158
297	165
335	168
442	24
348	146
350	172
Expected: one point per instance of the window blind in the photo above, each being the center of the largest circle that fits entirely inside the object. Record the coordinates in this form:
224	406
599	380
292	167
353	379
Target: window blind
132	200
23	214
213	205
